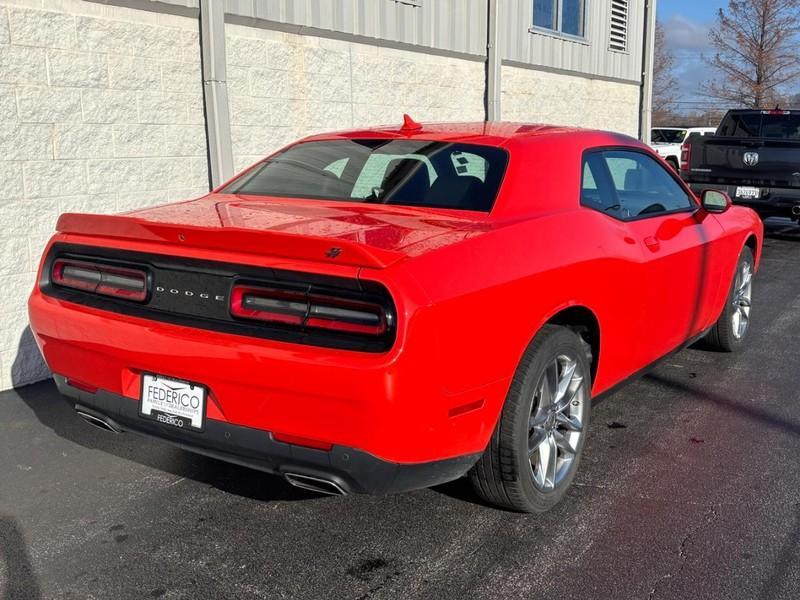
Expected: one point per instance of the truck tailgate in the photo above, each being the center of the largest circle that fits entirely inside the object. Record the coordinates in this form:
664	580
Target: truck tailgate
770	163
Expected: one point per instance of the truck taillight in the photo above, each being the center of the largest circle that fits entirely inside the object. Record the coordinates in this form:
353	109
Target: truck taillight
686	155
309	310
99	278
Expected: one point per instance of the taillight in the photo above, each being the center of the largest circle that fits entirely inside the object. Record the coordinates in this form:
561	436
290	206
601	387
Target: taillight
686	155
262	304
309	310
98	278
345	315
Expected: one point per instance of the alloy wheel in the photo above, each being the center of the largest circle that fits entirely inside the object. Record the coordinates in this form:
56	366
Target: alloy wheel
556	422
742	298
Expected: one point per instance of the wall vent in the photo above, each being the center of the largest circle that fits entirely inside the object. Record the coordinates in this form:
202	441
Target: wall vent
618	39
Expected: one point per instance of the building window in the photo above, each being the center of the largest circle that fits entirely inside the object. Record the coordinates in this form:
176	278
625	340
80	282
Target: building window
545	13
562	16
618	40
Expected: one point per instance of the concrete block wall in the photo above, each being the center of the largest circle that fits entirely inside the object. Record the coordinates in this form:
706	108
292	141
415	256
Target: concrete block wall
101	110
283	86
530	95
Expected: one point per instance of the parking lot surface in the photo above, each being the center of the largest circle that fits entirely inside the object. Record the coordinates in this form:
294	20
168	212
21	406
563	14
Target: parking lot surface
689	488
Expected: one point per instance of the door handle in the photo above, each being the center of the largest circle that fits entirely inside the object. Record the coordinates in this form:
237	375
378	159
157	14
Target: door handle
652	243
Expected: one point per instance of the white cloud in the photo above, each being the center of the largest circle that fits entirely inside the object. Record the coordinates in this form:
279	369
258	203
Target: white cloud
684	35
687	41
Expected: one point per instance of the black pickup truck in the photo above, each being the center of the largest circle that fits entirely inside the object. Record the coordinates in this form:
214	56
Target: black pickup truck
754	156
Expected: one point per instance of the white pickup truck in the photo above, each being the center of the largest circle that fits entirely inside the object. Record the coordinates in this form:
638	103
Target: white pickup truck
667	141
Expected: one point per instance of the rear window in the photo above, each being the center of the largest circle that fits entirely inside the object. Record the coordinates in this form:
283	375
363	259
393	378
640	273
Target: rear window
696	134
668	136
405	172
782	126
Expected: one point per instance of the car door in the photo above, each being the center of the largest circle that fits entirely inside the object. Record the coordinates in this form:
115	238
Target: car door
679	277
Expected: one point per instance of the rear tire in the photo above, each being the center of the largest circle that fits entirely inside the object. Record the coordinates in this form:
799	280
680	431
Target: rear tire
536	447
674	164
729	332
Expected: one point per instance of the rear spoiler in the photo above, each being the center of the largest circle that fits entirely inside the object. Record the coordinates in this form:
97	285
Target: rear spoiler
266	243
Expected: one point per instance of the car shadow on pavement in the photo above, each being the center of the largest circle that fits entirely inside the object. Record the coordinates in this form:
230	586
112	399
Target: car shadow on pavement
461	490
781	573
21	582
53	412
726	403
781	229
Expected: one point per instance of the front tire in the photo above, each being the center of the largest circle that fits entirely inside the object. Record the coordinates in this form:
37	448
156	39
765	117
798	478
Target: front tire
537	444
729	332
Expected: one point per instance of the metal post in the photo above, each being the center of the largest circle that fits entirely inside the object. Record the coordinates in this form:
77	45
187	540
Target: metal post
493	62
648	51
215	91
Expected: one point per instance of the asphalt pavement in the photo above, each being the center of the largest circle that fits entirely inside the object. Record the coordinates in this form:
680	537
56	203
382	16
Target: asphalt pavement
689	488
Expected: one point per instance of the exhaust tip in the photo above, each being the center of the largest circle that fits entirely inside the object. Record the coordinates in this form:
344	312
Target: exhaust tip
796	210
315	484
99	422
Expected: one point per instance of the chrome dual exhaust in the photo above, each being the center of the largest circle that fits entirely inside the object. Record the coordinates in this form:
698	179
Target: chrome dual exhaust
315	484
98	421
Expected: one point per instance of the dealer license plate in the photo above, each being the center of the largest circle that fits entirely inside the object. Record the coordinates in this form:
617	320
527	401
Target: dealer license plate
748	192
172	402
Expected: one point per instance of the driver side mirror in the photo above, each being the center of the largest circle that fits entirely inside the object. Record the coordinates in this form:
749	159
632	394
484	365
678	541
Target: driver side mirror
715	201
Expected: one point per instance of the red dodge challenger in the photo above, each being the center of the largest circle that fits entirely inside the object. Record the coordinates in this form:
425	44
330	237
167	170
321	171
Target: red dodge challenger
388	309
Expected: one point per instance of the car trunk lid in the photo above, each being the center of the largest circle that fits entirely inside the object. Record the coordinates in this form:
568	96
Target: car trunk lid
361	235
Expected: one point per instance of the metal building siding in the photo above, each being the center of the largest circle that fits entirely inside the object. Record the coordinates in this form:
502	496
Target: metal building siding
590	56
193	4
461	26
453	25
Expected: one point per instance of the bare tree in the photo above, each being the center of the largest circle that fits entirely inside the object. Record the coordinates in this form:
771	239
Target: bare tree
757	50
664	82
703	118
791	100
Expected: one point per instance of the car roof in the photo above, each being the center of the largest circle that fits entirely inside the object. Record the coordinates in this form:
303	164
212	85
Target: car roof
491	133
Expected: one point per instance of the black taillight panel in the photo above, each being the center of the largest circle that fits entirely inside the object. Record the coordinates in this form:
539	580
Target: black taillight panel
268	303
96	277
314	308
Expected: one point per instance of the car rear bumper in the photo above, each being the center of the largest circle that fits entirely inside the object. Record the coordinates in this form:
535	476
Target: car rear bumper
773	202
346	470
391	406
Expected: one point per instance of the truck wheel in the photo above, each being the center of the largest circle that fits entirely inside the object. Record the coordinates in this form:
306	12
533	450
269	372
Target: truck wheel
534	452
730	330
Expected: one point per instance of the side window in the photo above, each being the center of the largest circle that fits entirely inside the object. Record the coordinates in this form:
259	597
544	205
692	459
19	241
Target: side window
596	190
624	171
642	185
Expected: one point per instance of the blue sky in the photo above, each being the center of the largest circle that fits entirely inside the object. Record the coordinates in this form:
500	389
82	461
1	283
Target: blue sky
686	24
